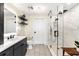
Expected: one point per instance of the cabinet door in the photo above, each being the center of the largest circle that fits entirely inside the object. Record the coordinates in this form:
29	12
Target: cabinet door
23	49
17	51
10	53
20	48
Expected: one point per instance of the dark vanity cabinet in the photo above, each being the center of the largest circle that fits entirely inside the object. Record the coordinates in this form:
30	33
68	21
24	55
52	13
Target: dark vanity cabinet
1	22
19	49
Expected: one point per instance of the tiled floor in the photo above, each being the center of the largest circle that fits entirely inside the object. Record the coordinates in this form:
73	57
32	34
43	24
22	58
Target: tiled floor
38	50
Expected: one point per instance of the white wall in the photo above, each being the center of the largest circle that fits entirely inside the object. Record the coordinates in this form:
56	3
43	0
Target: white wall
9	25
71	27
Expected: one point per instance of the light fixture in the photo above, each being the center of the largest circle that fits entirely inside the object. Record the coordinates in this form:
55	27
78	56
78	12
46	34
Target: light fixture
37	8
60	12
65	11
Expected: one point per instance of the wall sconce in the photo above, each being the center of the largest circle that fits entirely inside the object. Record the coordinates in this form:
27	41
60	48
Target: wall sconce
65	11
56	19
60	12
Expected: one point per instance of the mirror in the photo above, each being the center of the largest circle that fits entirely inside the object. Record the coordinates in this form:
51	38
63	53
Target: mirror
9	23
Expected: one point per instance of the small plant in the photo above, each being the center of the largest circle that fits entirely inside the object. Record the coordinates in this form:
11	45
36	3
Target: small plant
77	44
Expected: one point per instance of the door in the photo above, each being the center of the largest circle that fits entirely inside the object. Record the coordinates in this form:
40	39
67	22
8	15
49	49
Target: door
40	31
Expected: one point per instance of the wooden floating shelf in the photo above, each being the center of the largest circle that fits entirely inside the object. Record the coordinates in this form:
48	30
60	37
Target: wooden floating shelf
23	23
22	18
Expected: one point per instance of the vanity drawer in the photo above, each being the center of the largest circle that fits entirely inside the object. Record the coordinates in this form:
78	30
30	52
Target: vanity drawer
20	48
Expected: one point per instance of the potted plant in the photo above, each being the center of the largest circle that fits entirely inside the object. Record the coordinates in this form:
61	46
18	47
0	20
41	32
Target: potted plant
77	45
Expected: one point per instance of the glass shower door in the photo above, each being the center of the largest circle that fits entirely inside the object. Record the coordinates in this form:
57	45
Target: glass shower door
58	31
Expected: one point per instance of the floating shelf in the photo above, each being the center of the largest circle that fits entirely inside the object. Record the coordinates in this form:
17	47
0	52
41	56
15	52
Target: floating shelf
22	18
23	23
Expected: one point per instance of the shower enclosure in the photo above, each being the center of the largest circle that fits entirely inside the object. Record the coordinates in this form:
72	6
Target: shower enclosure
57	36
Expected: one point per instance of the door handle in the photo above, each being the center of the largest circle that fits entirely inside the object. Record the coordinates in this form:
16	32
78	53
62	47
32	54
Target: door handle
55	33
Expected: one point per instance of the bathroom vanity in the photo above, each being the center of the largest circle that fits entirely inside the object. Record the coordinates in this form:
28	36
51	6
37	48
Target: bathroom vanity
14	47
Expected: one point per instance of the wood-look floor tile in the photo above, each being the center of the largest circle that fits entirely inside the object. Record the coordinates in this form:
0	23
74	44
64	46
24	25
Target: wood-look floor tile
38	50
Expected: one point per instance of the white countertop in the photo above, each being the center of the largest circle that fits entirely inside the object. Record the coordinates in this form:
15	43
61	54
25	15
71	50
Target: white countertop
10	42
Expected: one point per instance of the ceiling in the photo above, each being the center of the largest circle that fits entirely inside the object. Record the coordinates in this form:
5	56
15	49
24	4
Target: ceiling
34	9
37	9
